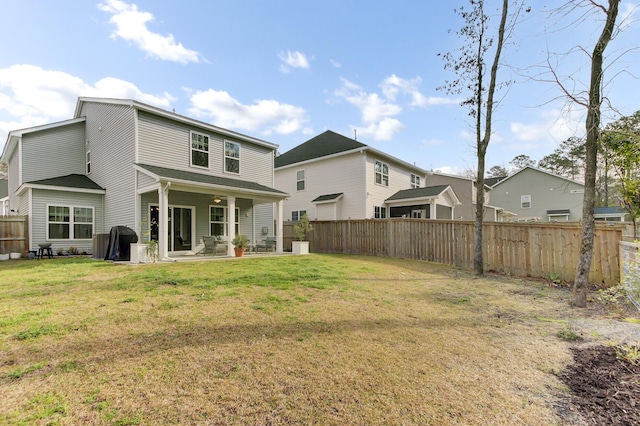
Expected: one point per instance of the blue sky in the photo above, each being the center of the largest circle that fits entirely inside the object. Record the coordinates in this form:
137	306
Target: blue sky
287	70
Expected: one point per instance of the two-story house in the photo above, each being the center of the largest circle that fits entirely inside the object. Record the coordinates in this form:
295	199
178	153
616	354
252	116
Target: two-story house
538	195
120	162
333	177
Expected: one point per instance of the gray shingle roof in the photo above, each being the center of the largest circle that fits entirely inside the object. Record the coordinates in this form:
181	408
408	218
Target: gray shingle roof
324	144
493	180
609	210
209	179
559	211
327	197
429	191
69	181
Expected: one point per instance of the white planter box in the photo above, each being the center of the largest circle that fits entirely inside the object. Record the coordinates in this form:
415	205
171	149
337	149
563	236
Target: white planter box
4	256
139	253
15	255
300	247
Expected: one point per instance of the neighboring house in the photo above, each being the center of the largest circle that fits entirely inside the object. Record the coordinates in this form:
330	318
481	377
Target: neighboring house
120	162
465	189
332	177
4	197
538	195
610	214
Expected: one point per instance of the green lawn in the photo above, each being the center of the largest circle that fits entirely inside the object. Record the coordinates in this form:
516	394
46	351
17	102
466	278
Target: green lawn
316	339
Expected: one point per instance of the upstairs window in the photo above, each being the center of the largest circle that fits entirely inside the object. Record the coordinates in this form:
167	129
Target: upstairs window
382	173
415	181
300	180
525	201
231	157
88	162
199	150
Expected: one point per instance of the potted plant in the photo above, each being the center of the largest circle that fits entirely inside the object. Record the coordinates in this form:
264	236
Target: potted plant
240	243
300	231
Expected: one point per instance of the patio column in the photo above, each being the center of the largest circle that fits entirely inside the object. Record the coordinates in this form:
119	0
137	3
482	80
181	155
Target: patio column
231	223
280	228
432	210
163	218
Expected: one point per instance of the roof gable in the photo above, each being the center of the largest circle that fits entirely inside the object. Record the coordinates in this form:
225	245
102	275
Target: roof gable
68	181
325	144
535	169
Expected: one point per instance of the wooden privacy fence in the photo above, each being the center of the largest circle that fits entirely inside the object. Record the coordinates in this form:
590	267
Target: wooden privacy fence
540	250
14	233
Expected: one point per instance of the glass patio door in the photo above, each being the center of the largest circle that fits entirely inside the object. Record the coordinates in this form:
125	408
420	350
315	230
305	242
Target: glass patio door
180	229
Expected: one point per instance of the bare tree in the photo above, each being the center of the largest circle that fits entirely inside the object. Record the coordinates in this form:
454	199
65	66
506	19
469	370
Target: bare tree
592	123
468	62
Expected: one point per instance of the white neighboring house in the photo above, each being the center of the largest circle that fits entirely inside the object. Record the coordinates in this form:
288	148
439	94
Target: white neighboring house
538	195
333	177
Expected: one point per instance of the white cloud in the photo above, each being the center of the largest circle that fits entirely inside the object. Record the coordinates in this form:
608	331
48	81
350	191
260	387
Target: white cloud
335	63
375	111
394	85
431	142
293	60
628	15
30	95
552	126
264	116
131	25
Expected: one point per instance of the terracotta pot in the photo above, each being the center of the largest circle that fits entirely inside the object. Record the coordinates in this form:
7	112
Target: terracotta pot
239	251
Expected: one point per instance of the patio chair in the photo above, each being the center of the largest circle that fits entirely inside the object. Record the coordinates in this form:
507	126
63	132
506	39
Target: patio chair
213	244
269	244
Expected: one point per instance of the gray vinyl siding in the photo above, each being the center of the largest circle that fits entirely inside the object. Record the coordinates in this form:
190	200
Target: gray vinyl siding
548	192
145	180
53	152
166	143
42	198
110	130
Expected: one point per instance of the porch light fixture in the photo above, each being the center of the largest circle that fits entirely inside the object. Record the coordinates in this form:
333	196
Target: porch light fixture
216	199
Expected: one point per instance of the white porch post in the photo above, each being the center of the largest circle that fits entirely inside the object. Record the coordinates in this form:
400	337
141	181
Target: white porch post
163	217
432	210
280	228
231	223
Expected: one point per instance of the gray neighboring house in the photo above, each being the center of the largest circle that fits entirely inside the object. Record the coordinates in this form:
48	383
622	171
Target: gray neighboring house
536	195
333	177
121	162
465	189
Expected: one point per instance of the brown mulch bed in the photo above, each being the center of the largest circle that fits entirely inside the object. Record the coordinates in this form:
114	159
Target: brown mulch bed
605	389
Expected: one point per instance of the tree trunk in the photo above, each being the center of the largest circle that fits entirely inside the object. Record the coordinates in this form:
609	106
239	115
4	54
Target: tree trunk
581	283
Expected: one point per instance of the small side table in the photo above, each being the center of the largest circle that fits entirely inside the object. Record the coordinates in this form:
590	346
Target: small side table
44	250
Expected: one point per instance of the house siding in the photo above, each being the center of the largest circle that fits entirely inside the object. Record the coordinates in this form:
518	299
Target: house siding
167	143
14	184
548	192
326	176
145	180
110	130
41	198
399	179
53	152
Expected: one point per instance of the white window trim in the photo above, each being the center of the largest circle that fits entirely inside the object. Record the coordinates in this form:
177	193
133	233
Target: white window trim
71	222
225	219
191	149
88	162
415	181
525	199
377	212
300	214
382	174
224	154
303	180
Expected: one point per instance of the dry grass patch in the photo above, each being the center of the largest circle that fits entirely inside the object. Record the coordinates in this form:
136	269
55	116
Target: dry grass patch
318	339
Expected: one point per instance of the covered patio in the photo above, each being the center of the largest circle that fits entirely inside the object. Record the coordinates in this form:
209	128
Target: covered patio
178	208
